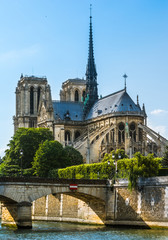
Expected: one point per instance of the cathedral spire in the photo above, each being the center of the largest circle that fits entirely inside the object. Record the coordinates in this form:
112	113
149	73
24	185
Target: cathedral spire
91	74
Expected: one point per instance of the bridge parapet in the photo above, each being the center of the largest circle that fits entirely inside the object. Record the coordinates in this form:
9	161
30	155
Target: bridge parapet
16	191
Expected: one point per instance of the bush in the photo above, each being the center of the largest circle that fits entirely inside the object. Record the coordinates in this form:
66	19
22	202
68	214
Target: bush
139	166
89	171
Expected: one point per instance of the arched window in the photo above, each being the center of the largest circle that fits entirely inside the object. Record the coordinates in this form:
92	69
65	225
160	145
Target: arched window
67	137
132	129
76	96
140	135
38	97
121	132
107	138
112	136
77	134
84	95
31	100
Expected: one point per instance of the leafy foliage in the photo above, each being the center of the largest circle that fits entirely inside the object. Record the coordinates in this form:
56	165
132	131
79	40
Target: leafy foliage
27	139
73	157
113	155
88	171
51	155
139	166
48	156
165	158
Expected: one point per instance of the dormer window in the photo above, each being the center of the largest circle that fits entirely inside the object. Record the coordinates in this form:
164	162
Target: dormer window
67	116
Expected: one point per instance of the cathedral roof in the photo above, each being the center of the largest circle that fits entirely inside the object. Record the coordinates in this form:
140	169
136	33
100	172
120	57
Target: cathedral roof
74	81
68	110
117	103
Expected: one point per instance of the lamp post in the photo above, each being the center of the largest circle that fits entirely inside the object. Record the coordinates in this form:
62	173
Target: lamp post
115	163
21	163
113	157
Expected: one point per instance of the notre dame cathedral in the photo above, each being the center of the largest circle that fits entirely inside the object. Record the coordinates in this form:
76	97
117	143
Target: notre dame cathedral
81	119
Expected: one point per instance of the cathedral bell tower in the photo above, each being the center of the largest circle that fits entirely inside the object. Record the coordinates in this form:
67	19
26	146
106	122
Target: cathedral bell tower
30	91
91	75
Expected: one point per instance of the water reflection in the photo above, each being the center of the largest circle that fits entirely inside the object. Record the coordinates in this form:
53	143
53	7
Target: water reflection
68	231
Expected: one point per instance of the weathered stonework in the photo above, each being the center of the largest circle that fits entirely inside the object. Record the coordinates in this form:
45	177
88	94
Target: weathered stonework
61	207
90	203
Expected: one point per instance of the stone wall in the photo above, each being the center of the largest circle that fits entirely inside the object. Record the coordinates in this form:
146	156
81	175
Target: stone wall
147	206
61	207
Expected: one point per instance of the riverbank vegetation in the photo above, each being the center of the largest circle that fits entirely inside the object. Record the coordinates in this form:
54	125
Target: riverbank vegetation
113	166
33	152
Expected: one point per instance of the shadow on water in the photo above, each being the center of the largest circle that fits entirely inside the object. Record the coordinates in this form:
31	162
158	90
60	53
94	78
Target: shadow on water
72	231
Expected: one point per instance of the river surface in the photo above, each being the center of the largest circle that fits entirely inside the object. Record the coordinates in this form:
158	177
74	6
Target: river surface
68	231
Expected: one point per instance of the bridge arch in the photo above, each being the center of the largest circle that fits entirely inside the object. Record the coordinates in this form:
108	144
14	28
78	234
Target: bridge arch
18	196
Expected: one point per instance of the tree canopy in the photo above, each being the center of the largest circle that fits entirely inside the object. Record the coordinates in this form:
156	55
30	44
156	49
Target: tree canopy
113	155
73	157
165	158
22	149
51	156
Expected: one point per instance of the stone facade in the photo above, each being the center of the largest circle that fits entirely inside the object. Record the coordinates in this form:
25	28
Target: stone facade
145	207
73	90
94	204
30	91
61	207
81	119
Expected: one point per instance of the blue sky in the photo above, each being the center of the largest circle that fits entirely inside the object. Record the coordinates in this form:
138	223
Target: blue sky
50	38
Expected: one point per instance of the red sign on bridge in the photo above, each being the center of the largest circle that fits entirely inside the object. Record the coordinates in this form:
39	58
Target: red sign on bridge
73	186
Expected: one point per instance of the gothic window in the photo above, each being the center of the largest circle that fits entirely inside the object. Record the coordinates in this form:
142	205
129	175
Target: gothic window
38	96
77	134
107	138
84	95
76	96
32	123
140	135
121	132
112	136
31	100
67	136
132	129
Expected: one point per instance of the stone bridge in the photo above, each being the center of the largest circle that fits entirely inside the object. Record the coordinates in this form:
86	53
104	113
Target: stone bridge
17	195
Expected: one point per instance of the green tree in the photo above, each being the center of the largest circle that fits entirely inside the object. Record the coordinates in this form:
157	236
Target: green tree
73	157
113	155
26	140
142	166
165	158
49	156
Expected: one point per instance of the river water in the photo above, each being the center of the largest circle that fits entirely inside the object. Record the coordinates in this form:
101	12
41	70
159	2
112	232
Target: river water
68	231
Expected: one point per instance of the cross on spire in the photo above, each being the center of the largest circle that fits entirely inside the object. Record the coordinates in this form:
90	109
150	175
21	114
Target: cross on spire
90	10
125	77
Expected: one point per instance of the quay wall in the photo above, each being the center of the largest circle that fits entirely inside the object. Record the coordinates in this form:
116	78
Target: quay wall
147	206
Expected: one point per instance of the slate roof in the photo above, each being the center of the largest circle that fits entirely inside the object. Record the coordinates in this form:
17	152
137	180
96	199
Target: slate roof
75	110
118	102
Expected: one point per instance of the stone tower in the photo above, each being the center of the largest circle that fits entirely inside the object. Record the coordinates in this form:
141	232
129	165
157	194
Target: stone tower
29	92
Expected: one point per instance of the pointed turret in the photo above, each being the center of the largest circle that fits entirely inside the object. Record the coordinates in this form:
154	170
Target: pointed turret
91	74
144	112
